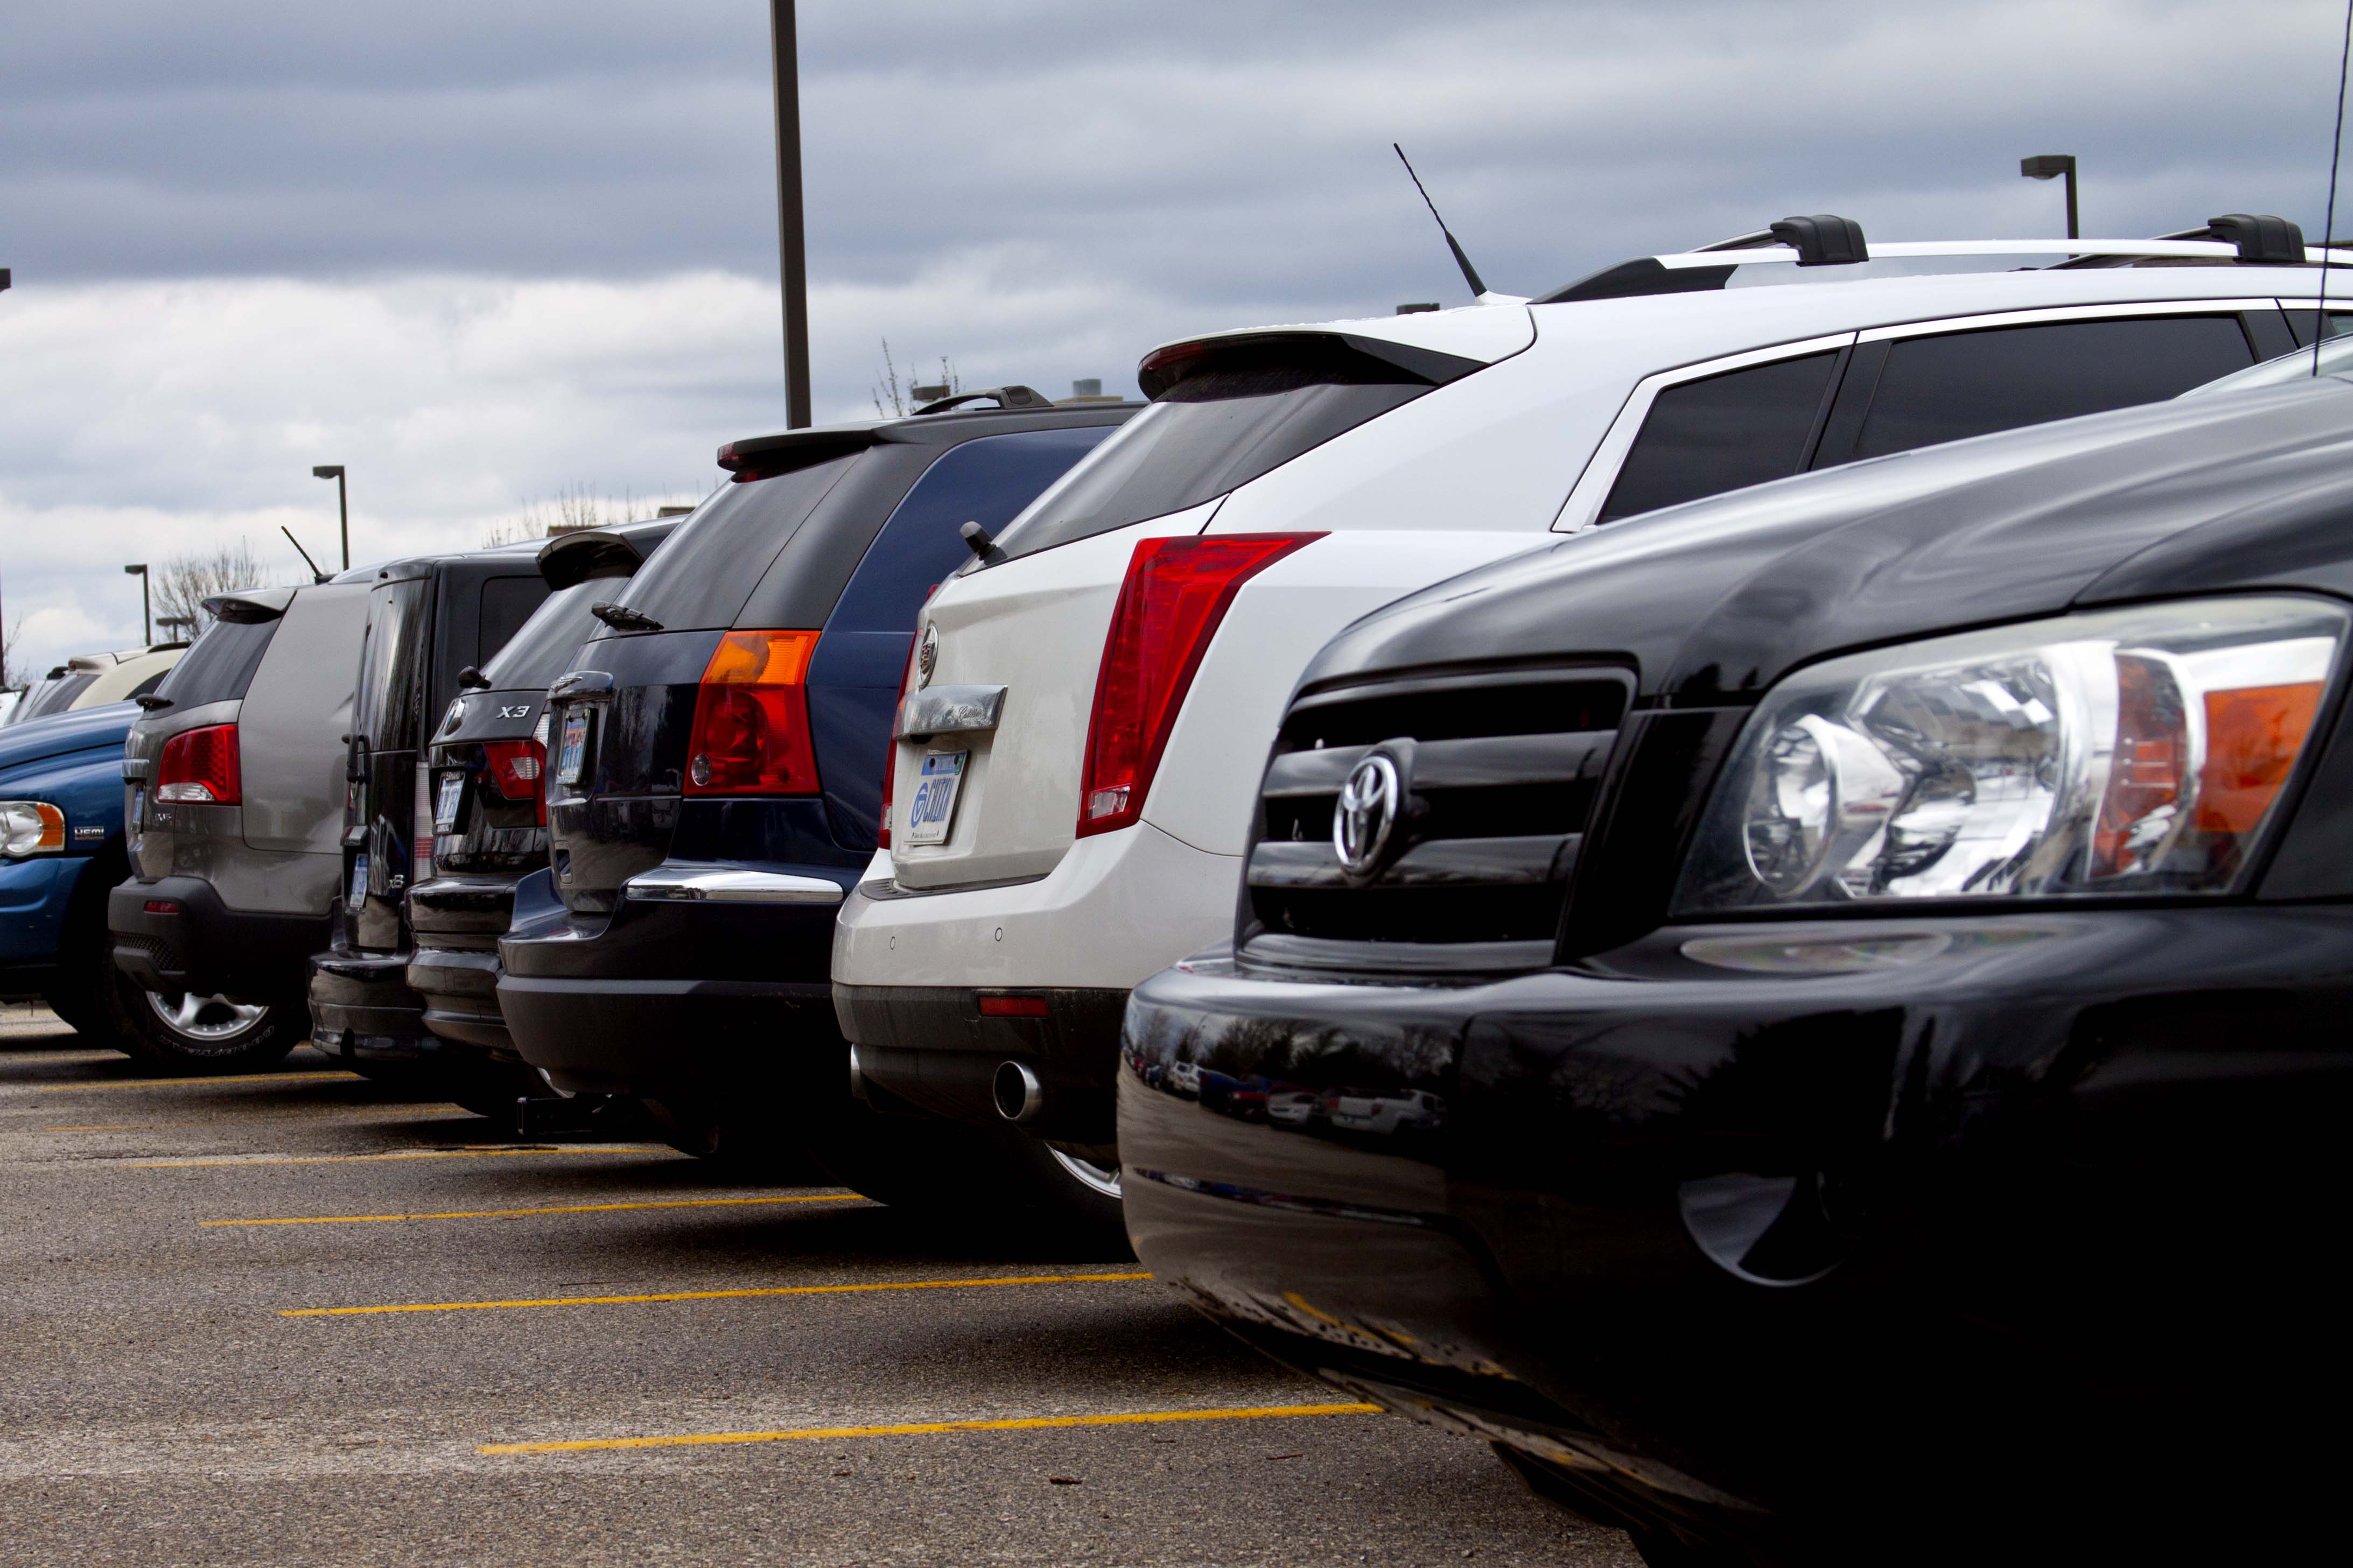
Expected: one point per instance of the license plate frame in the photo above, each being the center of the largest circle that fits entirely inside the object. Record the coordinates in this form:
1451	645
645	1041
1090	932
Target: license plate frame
931	808
359	880
571	755
448	799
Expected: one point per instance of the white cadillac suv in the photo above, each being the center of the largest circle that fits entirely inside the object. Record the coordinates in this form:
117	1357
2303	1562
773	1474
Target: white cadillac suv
1092	697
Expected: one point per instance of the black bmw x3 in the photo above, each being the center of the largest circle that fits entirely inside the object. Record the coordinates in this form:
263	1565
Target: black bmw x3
1817	1021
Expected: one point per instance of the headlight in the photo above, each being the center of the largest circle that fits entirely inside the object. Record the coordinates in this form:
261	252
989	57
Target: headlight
2137	750
31	827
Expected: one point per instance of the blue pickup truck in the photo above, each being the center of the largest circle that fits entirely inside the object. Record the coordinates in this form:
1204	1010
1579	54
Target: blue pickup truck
60	852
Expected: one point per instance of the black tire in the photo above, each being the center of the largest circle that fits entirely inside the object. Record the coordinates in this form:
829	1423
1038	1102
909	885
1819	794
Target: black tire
86	969
183	1035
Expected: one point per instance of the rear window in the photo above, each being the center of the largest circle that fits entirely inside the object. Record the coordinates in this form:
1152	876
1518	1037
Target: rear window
388	705
707	569
543	650
1209	433
506	603
219	665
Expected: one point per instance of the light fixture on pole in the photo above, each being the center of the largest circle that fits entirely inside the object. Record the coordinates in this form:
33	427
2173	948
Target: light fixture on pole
181	623
343	505
2051	166
147	619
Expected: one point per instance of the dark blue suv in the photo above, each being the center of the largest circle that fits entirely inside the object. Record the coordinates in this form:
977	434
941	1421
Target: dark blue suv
715	780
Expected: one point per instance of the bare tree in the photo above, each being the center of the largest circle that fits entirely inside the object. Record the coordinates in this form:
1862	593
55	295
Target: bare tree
894	401
185	582
577	507
11	676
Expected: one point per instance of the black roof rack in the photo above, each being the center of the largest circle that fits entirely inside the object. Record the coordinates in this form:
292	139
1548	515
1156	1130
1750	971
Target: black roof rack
1011	395
1824	239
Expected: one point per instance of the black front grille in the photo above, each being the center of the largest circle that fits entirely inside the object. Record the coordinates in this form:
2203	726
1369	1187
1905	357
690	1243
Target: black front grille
1500	770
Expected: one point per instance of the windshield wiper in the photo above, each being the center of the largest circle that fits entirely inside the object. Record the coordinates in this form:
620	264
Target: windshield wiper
622	618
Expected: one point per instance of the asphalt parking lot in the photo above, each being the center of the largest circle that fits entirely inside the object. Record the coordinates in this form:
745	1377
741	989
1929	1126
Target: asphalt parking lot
295	1318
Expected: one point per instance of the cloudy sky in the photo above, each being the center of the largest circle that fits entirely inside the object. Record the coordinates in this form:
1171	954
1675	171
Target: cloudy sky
489	254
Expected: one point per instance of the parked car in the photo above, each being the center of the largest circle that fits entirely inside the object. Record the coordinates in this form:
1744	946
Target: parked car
60	850
1136	630
233	788
430	619
719	759
488	765
96	680
1892	1109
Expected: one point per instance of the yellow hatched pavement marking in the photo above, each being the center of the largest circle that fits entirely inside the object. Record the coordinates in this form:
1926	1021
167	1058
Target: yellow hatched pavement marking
323	1076
401	1154
931	1428
563	1208
717	1295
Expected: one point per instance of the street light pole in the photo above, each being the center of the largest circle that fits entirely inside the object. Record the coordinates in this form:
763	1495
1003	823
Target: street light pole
343	505
146	615
791	246
2048	165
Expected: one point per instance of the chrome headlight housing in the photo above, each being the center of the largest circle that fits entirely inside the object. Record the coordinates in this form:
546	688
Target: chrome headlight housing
31	827
2141	750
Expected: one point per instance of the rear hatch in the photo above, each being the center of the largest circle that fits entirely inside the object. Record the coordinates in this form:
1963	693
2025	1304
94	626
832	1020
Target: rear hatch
388	720
1035	622
182	770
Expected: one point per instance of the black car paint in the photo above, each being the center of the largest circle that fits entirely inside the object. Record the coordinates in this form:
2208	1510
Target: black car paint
1806	1241
610	995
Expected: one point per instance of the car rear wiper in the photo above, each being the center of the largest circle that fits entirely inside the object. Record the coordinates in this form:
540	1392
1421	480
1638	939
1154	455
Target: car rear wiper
151	702
622	618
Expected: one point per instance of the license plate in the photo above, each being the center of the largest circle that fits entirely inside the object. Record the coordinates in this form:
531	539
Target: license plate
574	754
931	812
358	881
445	806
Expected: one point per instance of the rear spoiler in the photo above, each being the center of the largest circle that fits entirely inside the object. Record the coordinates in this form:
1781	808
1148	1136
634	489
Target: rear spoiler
765	456
572	559
251	606
1347	356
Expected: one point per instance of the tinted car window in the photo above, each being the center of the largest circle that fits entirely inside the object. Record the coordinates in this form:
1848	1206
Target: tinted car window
1204	436
1704	437
708	568
988	481
219	665
506	603
542	649
387	706
54	697
1957	384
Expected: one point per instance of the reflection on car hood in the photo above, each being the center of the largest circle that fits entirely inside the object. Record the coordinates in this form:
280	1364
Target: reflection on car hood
37	739
1714	600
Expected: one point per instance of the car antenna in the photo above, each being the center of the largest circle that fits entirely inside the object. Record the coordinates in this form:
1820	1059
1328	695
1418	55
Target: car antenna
316	575
2328	223
1470	273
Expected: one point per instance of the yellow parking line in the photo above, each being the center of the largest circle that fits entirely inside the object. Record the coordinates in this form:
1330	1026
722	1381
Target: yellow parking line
715	1295
119	1127
929	1428
565	1209
404	1154
190	1082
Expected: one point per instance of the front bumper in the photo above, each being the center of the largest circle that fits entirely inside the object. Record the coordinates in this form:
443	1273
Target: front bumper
35	893
200	944
670	998
911	968
1764	1229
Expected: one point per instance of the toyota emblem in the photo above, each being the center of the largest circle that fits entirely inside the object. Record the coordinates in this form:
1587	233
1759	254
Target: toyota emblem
927	657
1367	811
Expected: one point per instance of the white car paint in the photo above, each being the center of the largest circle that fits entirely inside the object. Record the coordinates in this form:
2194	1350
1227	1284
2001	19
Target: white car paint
1469	472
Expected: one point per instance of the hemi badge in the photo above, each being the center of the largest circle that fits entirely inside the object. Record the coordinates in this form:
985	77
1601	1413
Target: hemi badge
90	833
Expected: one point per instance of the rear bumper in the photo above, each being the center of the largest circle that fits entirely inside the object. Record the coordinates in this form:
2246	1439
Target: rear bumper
935	1048
670	998
202	946
455	922
1787	1227
363	1009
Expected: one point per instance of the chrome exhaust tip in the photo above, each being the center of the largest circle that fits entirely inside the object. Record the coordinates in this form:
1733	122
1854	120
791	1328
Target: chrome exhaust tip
857	1077
1020	1098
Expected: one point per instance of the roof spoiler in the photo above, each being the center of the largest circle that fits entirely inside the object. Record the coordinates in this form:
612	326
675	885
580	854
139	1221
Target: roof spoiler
250	607
1374	359
765	456
571	559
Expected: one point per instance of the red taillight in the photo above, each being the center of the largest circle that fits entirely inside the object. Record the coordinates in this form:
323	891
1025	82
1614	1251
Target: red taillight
517	770
1012	1006
200	766
1175	594
161	907
751	733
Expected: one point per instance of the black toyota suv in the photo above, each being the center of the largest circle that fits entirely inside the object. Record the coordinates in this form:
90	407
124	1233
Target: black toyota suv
1815	1020
716	784
429	618
486	769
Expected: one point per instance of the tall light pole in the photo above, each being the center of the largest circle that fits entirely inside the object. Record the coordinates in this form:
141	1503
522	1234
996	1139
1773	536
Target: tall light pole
2051	166
792	249
343	505
146	616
